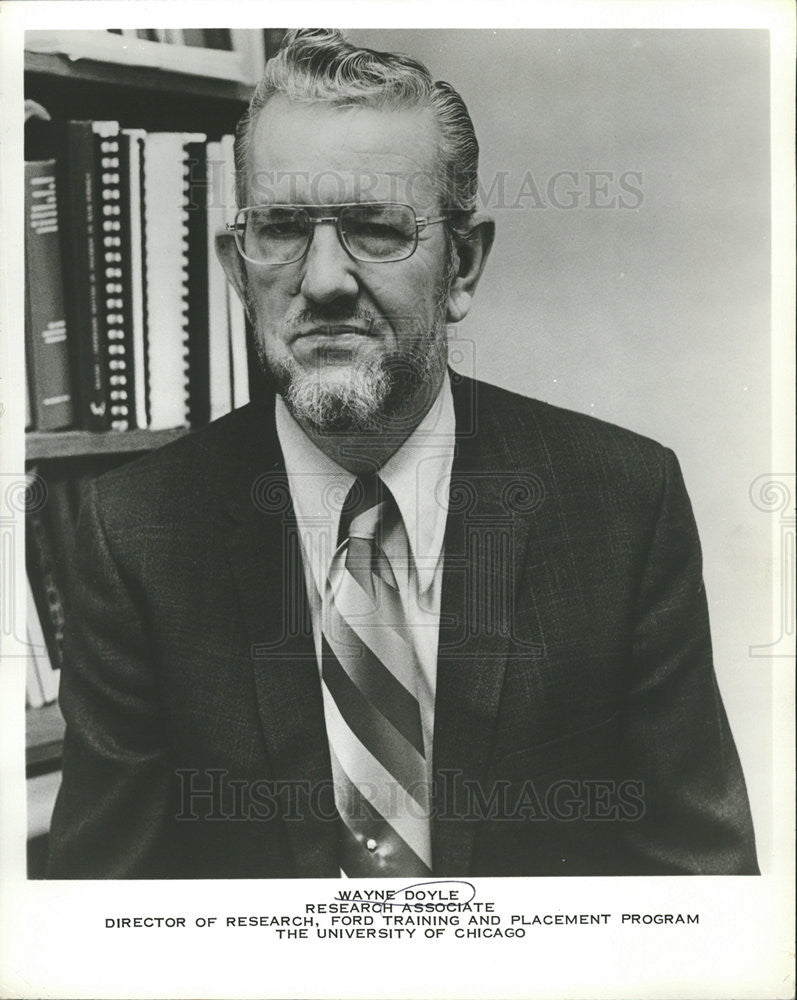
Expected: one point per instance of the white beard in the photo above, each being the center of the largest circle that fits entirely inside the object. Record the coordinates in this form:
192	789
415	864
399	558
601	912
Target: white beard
338	397
364	395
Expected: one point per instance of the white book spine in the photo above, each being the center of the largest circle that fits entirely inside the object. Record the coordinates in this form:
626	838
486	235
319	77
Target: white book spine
138	326
219	347
166	275
48	678
237	317
34	696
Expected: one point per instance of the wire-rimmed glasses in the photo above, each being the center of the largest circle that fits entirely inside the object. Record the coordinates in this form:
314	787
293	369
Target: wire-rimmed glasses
373	232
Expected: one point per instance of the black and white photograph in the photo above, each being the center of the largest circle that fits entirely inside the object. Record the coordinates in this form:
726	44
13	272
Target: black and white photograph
399	550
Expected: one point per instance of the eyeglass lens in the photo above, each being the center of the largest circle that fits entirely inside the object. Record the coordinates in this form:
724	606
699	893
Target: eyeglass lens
280	234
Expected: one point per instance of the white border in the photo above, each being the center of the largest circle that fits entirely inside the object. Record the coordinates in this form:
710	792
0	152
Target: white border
51	938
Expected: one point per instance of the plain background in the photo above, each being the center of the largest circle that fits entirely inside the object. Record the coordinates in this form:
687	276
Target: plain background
656	317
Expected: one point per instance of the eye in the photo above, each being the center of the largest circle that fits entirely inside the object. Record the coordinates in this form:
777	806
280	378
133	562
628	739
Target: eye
373	227
377	232
278	225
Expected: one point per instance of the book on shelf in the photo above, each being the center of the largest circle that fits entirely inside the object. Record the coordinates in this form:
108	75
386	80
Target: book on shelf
159	337
133	255
46	329
213	38
220	53
34	696
49	555
45	586
71	144
166	270
204	38
196	207
114	272
219	362
60	514
235	313
42	681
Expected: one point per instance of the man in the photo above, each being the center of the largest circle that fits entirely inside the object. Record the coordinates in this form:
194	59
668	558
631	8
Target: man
389	621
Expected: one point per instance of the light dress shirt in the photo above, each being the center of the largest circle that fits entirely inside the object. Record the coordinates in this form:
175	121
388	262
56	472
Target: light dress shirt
418	475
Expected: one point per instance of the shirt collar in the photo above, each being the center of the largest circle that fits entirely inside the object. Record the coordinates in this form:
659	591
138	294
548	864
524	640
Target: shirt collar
418	475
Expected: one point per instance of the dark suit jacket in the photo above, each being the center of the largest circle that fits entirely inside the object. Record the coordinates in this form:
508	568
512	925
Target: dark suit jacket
578	725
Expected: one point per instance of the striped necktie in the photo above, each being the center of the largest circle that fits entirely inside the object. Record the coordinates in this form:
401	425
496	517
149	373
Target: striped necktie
369	671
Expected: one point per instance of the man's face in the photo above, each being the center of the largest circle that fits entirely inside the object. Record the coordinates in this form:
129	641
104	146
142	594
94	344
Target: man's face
349	343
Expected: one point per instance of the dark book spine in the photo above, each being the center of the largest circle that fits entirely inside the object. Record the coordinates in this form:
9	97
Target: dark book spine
217	38
195	37
60	520
114	277
133	255
46	326
77	201
47	592
197	258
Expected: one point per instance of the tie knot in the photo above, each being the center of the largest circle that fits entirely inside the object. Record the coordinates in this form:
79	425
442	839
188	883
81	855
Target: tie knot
363	509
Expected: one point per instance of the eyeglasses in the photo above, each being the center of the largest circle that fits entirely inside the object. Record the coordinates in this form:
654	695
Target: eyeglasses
374	232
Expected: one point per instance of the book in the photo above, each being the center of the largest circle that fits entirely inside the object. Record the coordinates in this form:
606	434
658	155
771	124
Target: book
73	142
34	696
60	515
46	326
132	160
47	677
114	274
196	205
217	38
194	36
166	279
161	339
172	36
150	47
219	374
46	589
236	317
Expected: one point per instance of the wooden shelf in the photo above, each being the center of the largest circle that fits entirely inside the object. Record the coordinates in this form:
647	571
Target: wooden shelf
44	737
140	77
73	444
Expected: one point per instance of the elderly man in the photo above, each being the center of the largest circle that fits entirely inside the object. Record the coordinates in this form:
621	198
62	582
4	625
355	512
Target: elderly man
390	621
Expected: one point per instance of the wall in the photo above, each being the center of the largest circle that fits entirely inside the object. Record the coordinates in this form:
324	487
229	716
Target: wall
653	316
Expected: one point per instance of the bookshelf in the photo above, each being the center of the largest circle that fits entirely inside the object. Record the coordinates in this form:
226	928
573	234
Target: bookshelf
48	67
155	99
48	445
135	96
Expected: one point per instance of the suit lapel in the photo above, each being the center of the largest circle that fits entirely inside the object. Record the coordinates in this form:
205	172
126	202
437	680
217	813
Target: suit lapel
486	537
266	564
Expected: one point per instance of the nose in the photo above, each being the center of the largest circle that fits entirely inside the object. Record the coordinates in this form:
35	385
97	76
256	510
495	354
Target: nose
329	272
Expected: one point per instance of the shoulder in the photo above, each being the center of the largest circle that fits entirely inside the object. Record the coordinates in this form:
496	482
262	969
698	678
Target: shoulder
584	461
593	473
522	417
196	469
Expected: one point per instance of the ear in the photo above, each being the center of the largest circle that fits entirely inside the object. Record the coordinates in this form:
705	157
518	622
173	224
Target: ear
232	263
471	253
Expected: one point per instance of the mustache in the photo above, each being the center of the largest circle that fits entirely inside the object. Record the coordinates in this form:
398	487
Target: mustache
334	314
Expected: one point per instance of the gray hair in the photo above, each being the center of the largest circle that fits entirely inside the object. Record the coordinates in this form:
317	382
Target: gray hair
320	66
